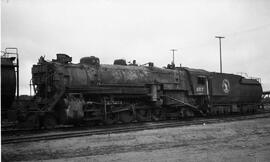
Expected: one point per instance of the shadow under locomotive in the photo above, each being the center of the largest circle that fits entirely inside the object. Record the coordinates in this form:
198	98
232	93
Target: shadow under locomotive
92	93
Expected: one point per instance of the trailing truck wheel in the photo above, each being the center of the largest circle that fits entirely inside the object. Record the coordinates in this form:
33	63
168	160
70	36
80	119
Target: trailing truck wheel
156	114
111	119
49	121
188	113
126	116
141	115
32	121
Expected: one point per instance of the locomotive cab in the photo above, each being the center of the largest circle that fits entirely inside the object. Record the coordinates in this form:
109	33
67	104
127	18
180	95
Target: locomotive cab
199	80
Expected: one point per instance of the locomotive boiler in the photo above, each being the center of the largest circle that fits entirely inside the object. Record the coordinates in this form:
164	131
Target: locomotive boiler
92	92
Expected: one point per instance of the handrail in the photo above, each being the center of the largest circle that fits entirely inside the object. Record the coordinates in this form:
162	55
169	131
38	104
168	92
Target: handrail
195	108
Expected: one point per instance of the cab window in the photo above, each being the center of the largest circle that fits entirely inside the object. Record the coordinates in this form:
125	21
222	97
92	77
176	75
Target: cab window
201	80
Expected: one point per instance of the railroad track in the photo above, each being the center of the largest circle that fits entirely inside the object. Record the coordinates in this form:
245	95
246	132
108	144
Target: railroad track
129	128
24	131
7	125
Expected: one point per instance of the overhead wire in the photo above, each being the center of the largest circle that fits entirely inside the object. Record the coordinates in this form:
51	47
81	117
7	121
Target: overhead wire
231	34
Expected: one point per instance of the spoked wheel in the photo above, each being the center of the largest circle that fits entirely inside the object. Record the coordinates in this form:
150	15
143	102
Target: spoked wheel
141	115
156	114
188	113
126	116
32	121
111	119
49	121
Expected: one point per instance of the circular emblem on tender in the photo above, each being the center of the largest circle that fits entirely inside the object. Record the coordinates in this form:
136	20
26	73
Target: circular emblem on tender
226	86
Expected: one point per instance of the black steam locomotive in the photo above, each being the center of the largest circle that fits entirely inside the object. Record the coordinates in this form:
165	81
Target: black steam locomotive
91	92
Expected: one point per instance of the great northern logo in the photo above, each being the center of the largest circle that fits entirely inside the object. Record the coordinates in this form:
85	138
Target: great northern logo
226	86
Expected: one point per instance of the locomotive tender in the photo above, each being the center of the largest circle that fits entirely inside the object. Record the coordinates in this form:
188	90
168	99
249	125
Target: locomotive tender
94	92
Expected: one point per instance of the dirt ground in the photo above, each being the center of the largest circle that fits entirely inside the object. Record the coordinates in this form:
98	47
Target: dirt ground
234	141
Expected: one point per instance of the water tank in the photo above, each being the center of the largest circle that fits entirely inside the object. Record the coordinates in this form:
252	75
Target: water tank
8	82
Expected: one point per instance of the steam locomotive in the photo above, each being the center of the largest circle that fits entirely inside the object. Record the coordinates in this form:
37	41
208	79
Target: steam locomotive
93	93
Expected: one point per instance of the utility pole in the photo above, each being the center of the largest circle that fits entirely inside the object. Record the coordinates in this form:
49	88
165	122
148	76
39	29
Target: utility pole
220	37
173	50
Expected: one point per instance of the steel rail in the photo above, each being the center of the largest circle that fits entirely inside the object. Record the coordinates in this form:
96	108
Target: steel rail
130	128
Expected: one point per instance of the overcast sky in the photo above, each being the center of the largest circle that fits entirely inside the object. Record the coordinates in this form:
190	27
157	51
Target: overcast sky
141	30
